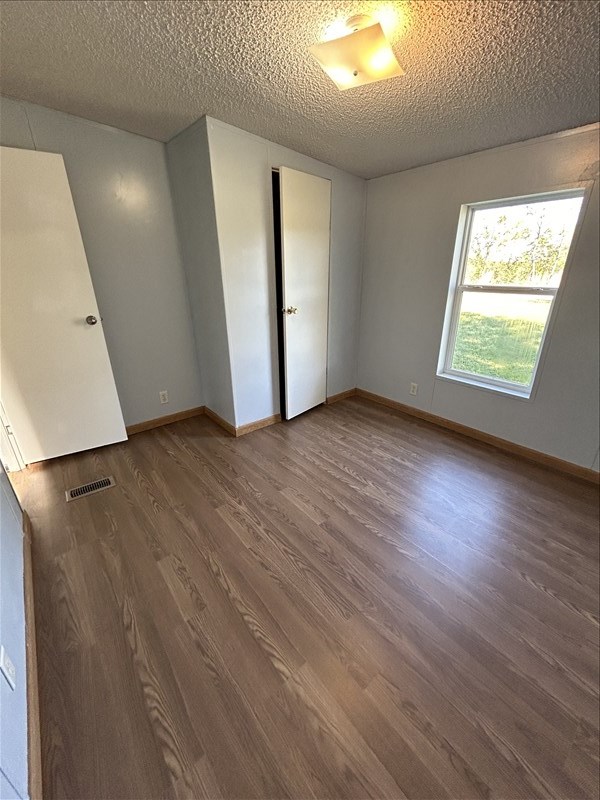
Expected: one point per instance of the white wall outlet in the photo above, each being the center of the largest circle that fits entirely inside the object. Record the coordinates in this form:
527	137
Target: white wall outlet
414	388
164	397
7	668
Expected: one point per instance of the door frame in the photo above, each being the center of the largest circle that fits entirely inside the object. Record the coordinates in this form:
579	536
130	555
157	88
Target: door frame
8	436
276	221
276	201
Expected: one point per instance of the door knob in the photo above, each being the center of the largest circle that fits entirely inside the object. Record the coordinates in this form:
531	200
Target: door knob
290	310
91	319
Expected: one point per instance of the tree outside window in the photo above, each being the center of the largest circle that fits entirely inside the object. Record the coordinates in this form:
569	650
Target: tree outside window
511	269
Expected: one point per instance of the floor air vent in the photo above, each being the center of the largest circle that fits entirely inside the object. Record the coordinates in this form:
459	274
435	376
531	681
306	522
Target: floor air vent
89	488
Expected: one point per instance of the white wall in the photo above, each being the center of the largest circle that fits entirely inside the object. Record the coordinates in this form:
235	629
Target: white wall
411	228
241	172
13	704
241	183
122	197
190	174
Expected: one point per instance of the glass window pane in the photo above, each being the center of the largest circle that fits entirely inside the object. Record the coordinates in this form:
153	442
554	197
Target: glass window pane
521	245
499	335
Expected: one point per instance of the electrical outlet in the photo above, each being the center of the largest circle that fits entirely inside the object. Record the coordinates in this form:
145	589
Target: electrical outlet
7	668
164	397
414	388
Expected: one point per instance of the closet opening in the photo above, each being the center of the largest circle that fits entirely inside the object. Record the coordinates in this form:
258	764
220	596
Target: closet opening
301	217
278	287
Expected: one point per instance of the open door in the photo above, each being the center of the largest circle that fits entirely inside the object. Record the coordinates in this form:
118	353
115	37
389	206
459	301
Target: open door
58	389
305	205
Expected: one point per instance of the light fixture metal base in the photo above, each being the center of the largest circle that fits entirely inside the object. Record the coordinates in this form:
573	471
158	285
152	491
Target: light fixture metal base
358	22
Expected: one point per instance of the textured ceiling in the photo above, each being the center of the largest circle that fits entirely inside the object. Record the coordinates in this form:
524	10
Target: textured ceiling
479	73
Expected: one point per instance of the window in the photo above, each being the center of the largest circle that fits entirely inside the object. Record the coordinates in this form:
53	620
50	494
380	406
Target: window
512	257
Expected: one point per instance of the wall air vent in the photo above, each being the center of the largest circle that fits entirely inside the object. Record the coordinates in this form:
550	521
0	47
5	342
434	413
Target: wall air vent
89	488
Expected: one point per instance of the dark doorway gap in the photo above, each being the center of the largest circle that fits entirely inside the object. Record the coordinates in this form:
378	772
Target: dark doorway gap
279	288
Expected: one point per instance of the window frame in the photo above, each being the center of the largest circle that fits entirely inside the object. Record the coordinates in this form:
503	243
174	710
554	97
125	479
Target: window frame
458	287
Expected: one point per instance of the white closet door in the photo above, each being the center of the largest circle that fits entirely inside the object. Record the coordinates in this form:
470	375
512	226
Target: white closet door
305	233
57	388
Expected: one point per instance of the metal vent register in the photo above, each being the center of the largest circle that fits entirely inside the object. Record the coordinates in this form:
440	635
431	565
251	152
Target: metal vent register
89	488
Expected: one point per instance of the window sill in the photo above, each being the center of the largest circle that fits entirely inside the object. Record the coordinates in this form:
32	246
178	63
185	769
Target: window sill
525	394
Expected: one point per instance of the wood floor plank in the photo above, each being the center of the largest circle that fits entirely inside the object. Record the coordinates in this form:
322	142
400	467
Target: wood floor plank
572	652
352	604
327	736
199	782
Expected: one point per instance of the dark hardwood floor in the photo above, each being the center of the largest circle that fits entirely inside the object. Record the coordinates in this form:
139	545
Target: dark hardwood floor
353	604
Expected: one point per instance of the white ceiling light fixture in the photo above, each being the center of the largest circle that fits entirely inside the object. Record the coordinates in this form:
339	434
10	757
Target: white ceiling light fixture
363	55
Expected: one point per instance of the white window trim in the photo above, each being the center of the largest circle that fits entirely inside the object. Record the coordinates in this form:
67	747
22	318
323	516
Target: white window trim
457	287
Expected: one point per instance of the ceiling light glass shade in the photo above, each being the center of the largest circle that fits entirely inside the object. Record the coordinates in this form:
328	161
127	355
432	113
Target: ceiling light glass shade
364	56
